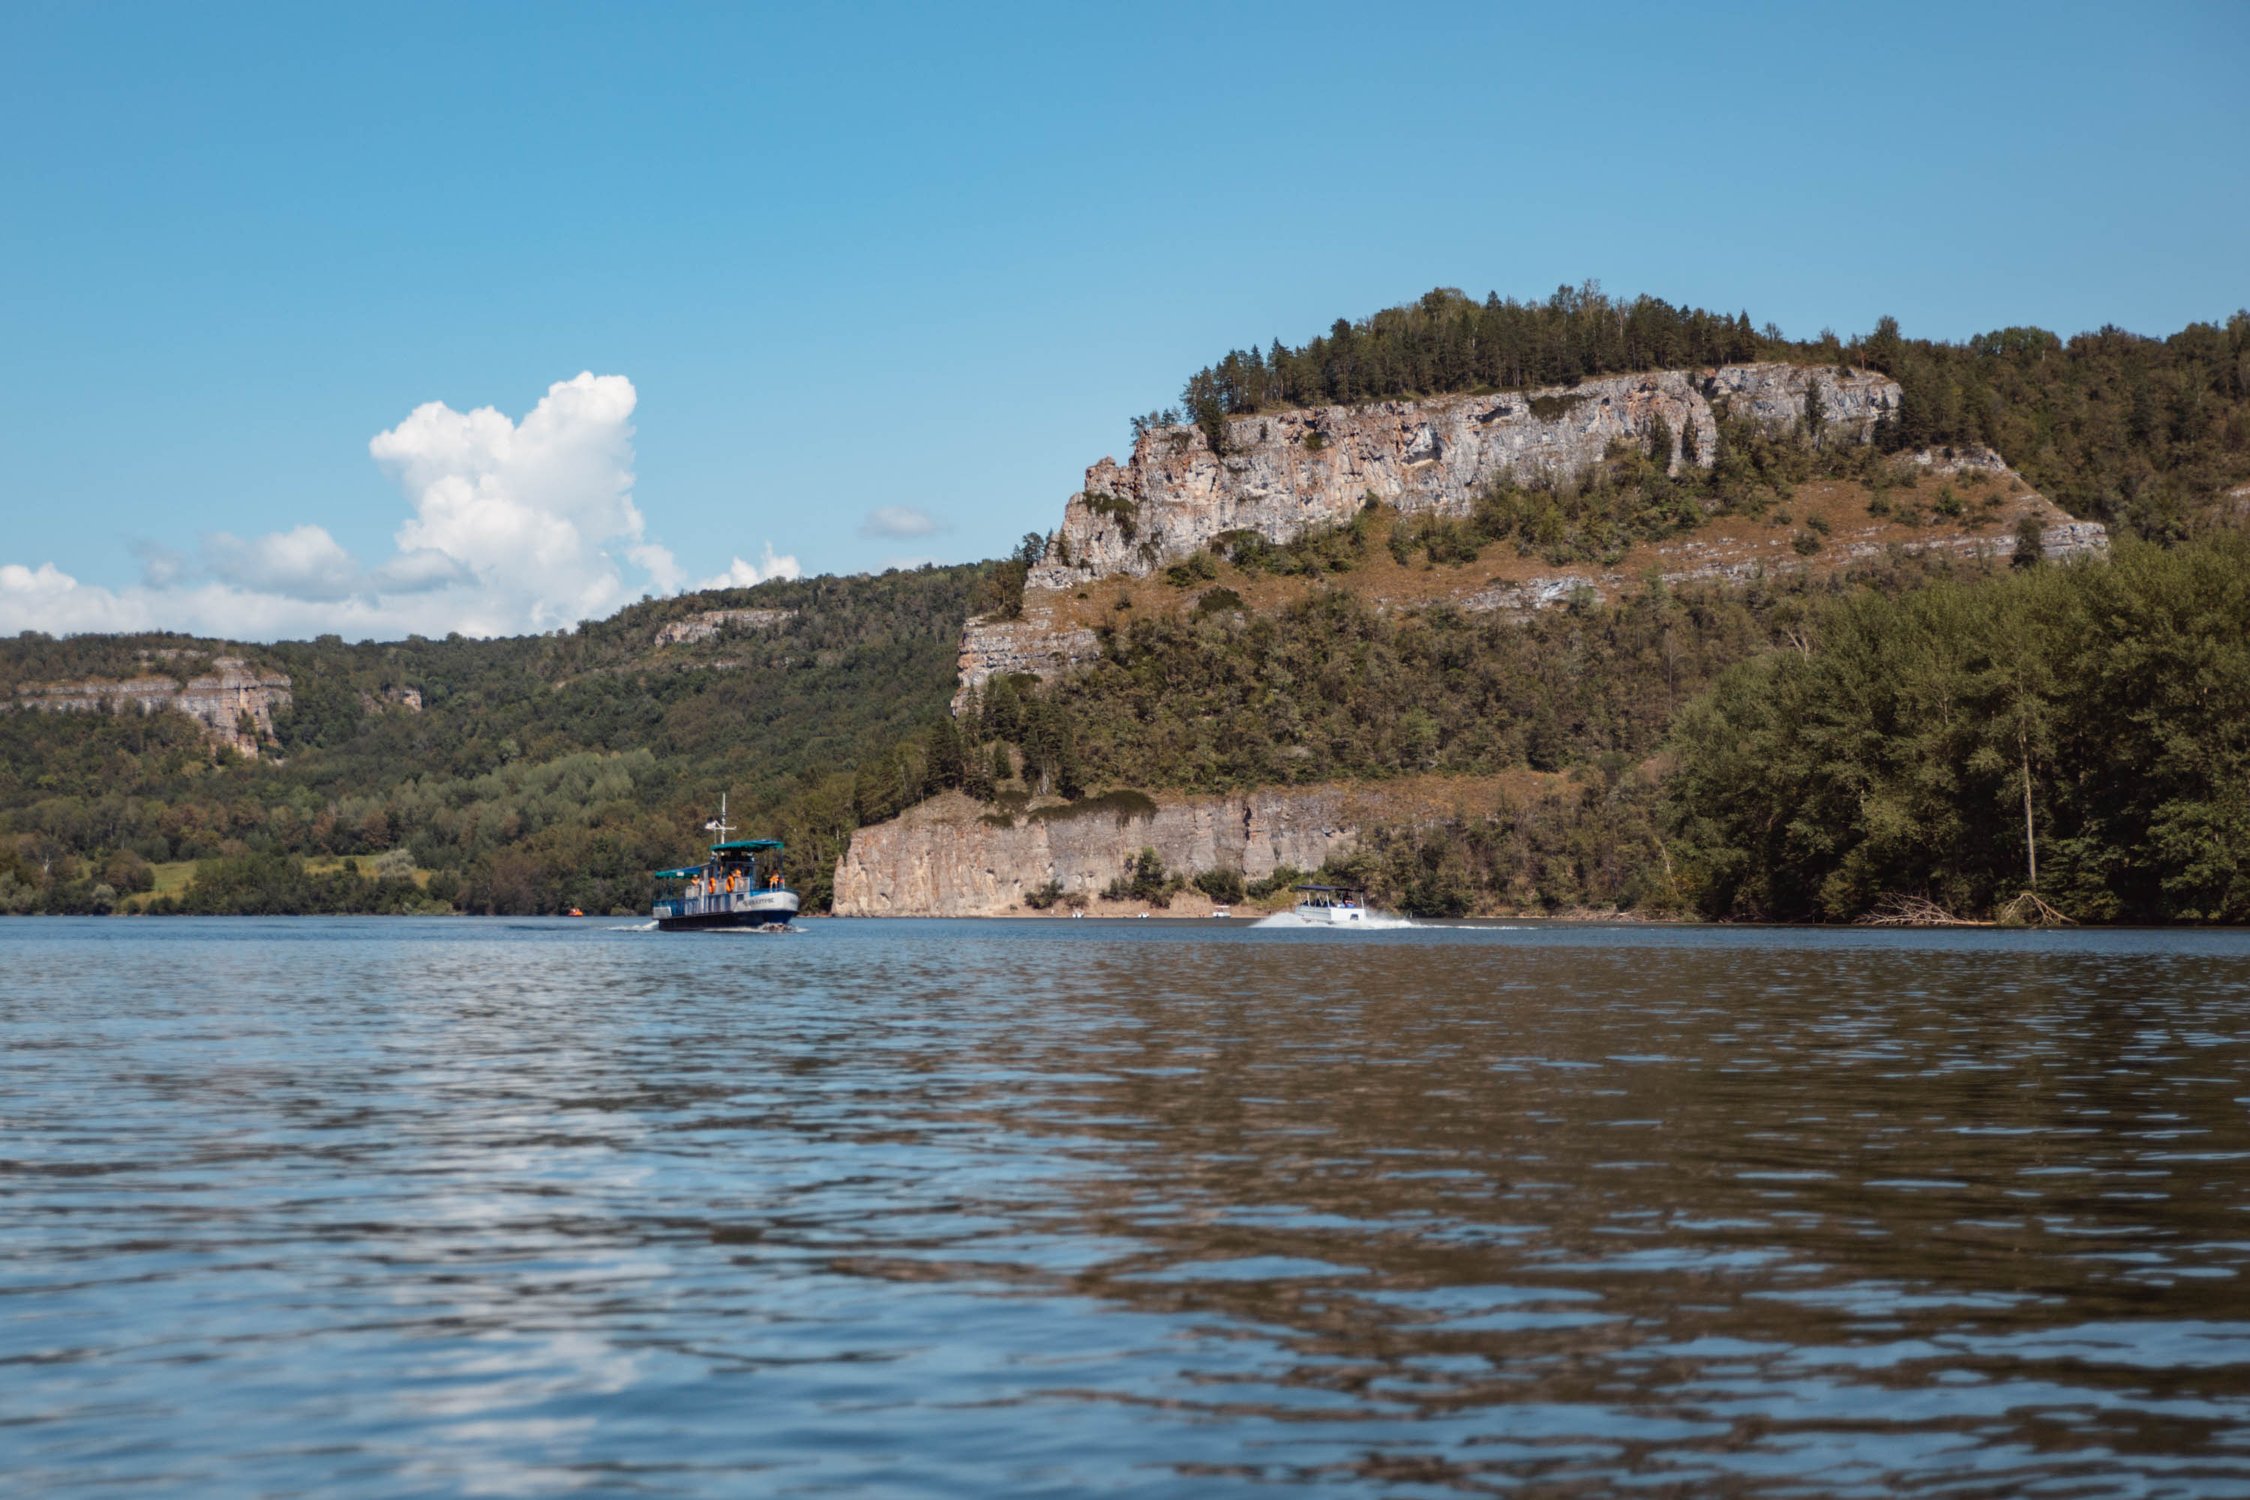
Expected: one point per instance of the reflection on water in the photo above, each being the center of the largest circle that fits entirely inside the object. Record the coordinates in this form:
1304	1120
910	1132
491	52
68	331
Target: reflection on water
371	1206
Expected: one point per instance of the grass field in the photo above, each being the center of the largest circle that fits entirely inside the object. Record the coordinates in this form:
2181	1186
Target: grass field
174	876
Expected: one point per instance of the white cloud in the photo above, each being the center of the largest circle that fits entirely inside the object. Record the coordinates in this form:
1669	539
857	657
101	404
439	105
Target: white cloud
742	574
305	563
30	597
530	510
512	527
416	572
899	522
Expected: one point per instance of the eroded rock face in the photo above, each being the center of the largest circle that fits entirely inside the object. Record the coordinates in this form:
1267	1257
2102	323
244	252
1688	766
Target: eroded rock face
1033	644
234	703
1288	473
713	623
1040	645
952	857
1696	561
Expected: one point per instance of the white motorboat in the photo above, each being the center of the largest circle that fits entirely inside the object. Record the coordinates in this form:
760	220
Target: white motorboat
1341	907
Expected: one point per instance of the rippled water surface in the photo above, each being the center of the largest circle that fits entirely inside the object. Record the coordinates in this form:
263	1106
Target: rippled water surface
371	1207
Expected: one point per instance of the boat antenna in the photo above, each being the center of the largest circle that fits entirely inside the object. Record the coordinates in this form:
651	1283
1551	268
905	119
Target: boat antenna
719	825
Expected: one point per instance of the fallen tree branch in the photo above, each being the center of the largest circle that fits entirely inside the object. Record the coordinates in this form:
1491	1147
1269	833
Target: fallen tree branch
1913	911
2027	910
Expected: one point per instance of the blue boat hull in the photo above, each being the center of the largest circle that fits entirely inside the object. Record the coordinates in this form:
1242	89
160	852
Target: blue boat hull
767	908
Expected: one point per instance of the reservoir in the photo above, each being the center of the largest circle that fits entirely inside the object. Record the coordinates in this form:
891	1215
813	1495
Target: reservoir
380	1206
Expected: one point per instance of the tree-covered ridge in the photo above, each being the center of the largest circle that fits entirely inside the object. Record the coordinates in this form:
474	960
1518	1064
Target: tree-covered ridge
542	773
2141	433
2090	720
1447	342
33	658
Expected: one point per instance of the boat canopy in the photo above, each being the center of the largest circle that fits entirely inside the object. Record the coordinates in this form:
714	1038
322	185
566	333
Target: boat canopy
735	846
1347	890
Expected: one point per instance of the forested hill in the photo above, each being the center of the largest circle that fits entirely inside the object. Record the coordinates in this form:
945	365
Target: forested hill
527	774
1917	705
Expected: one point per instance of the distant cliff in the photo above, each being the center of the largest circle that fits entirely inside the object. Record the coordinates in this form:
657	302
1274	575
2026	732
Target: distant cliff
710	624
1059	628
234	702
1286	473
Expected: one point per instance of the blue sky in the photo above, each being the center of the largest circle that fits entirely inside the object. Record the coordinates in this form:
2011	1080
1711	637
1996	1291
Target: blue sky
889	263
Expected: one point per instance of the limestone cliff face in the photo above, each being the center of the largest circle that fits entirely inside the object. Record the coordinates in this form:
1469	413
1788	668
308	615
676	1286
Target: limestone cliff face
1044	643
234	703
1291	472
713	623
1693	561
1033	644
953	857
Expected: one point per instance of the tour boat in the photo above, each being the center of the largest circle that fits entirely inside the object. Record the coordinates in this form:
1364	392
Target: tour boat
739	885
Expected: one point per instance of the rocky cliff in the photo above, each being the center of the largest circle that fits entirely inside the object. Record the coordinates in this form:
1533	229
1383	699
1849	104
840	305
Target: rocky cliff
1056	630
234	702
955	857
713	623
1288	473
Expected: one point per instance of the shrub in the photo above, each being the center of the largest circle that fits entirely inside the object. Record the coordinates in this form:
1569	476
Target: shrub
1124	804
1145	879
1217	601
1124	512
1280	880
1222	885
2031	545
1198	568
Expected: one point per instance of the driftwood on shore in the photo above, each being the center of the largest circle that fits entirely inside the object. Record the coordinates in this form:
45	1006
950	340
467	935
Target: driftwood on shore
2026	910
1914	911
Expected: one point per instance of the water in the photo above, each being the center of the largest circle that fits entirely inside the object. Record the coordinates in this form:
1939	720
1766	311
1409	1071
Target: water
372	1207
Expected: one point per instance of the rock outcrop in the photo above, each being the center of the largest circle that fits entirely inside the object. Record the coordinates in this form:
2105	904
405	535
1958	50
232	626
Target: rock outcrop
954	857
1288	473
234	702
1034	644
1694	561
713	623
1044	642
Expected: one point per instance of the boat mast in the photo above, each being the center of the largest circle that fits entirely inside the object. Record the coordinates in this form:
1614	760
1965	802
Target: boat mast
720	826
